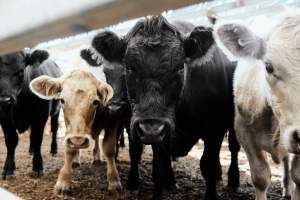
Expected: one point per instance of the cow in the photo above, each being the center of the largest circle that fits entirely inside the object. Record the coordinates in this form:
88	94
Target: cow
177	95
20	109
266	97
84	102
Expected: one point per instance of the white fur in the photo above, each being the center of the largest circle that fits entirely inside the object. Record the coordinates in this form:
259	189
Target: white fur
251	90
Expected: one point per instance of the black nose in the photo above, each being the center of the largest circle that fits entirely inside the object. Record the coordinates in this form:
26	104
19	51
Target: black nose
6	100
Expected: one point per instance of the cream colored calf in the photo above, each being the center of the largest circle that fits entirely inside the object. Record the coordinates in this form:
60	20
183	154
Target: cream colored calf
267	97
84	102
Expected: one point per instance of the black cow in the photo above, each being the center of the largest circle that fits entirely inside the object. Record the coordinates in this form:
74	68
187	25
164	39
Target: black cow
172	105
20	109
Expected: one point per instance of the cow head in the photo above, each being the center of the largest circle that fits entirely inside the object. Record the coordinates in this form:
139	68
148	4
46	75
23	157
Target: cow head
12	73
278	57
115	76
153	54
81	96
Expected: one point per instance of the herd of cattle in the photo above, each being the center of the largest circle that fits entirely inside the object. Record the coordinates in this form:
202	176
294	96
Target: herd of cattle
169	85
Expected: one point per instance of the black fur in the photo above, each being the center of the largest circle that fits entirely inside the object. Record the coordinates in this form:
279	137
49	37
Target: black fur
25	110
109	45
198	42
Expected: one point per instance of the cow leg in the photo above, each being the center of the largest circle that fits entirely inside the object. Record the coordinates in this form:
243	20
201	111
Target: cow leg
109	150
295	173
120	133
63	183
11	141
287	183
54	129
162	172
260	170
233	172
96	152
135	153
30	144
76	160
37	132
122	138
209	161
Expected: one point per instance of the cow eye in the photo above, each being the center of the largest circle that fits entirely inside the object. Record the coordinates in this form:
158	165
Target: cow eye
269	67
96	102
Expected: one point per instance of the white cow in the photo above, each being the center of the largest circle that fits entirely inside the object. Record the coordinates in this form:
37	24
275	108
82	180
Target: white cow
267	97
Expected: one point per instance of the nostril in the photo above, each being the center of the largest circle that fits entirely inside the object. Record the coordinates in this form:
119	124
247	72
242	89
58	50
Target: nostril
86	142
68	141
151	127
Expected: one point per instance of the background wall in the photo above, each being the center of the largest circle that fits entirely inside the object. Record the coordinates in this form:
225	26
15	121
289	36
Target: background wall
22	15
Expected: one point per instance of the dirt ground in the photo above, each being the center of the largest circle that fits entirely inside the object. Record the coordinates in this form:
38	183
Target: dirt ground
89	182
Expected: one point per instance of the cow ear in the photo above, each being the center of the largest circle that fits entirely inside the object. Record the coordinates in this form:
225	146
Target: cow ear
110	46
36	57
93	58
198	42
238	41
46	87
105	93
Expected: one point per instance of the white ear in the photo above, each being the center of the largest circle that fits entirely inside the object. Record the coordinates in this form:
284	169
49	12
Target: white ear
236	40
46	87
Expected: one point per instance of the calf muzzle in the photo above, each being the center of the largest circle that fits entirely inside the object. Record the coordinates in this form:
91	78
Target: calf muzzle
77	142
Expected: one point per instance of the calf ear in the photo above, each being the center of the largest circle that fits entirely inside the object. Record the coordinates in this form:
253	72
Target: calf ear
36	57
198	42
110	46
46	87
105	93
237	40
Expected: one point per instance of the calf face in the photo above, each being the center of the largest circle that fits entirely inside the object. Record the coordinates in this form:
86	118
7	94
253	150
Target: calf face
81	96
278	56
12	74
153	54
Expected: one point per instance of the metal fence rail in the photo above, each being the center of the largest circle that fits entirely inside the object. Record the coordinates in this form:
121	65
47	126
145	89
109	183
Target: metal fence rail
65	51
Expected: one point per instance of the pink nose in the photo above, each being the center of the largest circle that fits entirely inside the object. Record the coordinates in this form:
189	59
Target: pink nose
78	142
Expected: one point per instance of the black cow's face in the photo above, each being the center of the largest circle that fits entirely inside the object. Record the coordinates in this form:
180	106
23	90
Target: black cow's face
153	54
115	76
12	68
154	83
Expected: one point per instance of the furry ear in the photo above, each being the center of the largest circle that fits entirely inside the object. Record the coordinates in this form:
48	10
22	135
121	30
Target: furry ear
36	57
46	87
110	46
91	57
237	40
105	92
198	42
